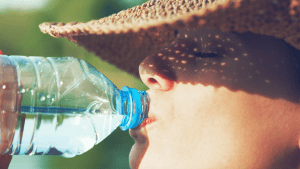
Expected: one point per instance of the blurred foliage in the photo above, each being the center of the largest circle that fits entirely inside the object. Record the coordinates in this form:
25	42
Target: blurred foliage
20	35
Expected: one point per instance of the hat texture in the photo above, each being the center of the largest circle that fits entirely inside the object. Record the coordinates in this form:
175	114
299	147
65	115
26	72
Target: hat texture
126	38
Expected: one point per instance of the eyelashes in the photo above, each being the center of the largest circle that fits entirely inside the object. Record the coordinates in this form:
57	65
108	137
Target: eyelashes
206	55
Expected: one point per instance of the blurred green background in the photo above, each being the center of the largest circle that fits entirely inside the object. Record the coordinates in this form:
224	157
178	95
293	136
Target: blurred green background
20	35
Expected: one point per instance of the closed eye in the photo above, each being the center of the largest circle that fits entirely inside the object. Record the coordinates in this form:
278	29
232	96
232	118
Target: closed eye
206	55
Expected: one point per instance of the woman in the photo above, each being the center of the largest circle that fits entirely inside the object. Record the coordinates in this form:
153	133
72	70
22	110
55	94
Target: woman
222	78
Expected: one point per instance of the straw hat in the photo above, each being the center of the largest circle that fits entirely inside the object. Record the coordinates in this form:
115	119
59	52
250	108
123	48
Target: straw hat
126	38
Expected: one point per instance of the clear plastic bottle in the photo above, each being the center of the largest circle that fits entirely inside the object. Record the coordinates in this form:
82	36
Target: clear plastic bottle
67	106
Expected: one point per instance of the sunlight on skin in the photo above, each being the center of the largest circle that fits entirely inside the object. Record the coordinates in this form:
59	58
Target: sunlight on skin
239	62
221	100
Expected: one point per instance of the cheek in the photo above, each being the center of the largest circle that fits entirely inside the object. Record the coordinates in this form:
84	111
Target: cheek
192	132
225	128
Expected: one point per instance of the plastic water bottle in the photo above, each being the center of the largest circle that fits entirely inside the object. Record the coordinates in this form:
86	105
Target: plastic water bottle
67	106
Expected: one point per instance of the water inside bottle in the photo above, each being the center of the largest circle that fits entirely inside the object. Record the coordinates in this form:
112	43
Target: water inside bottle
63	131
84	118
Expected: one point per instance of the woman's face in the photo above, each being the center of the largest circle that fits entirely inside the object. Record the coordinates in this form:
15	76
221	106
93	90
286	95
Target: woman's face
220	100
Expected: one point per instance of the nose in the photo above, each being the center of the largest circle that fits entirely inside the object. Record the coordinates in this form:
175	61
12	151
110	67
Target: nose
157	82
155	75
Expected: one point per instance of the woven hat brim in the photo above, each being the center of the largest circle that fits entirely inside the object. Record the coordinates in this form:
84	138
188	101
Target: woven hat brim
126	38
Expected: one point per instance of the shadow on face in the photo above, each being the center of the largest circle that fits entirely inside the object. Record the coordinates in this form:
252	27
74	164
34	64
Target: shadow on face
256	64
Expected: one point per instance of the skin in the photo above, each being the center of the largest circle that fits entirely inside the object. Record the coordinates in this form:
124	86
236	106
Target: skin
236	109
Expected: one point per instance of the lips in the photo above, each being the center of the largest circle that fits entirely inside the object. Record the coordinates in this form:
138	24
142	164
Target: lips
139	134
147	121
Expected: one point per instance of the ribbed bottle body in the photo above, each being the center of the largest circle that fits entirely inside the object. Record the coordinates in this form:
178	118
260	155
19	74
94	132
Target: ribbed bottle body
67	106
10	98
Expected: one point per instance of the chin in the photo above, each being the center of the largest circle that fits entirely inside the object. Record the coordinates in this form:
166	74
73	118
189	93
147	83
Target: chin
140	147
140	136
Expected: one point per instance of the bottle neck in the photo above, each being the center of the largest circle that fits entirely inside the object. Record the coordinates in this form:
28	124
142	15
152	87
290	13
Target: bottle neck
133	105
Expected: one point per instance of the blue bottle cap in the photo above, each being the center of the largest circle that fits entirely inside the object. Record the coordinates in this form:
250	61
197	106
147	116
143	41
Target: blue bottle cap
132	114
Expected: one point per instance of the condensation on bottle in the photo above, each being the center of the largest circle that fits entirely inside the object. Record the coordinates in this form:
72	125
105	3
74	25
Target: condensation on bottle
67	106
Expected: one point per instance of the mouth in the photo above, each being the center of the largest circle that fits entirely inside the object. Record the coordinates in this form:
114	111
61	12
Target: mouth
139	133
148	121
